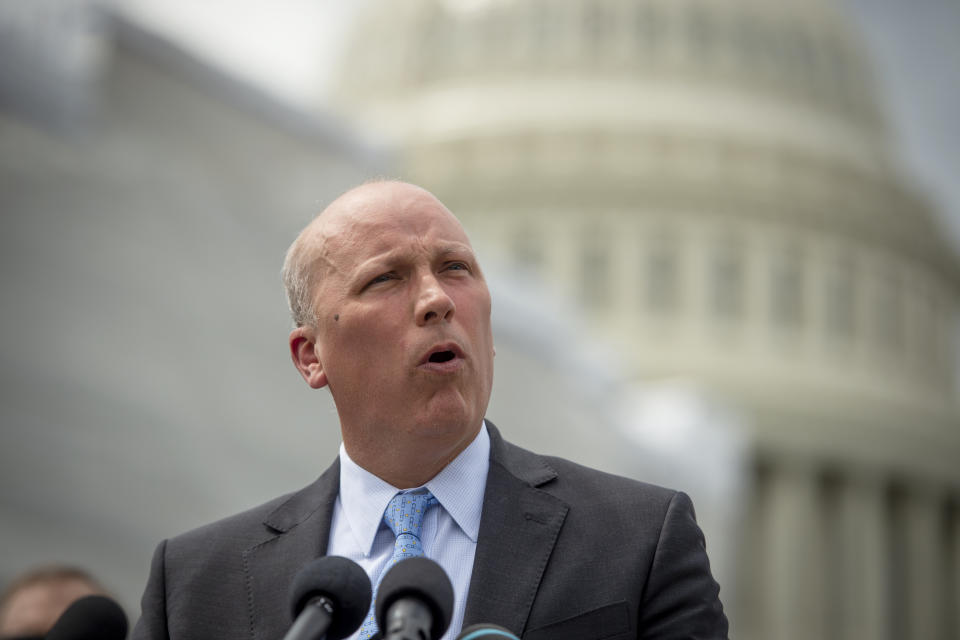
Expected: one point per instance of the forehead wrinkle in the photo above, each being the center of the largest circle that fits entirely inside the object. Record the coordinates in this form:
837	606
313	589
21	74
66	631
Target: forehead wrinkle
318	251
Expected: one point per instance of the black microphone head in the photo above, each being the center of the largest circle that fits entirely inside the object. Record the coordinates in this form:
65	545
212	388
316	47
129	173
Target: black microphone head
486	632
343	582
90	618
419	578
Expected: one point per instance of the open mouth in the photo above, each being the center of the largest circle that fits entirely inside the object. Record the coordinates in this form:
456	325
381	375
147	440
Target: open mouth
441	356
448	353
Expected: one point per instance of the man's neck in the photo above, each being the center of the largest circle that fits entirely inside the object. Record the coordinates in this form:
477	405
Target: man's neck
410	466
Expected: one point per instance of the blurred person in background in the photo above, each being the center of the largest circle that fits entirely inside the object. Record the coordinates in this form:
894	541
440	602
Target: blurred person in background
33	601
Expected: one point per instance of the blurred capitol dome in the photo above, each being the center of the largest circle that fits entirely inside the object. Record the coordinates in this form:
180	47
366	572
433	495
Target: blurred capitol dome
712	181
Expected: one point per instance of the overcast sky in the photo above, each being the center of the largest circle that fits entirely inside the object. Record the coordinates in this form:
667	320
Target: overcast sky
288	46
291	47
915	46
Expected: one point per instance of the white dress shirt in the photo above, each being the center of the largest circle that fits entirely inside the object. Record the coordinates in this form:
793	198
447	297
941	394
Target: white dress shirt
450	529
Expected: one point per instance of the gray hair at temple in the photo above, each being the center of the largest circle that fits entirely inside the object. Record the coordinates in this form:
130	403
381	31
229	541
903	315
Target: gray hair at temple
296	275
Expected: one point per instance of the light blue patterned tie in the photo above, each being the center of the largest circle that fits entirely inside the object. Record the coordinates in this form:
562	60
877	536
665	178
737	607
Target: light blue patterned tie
404	516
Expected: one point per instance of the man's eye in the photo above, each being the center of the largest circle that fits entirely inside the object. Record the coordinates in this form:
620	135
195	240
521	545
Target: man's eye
458	266
383	277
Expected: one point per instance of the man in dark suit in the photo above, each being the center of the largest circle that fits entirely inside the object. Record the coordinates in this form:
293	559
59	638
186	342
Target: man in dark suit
392	313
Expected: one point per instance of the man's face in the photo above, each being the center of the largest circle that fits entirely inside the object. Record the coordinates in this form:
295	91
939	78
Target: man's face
402	335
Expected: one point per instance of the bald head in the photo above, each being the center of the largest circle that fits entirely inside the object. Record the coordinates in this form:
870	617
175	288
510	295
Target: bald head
308	259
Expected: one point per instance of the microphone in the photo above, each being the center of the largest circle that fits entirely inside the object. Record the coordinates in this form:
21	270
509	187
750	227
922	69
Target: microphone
414	601
90	618
329	598
486	632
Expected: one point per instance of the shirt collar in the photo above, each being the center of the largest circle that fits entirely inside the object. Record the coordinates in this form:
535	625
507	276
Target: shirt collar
459	488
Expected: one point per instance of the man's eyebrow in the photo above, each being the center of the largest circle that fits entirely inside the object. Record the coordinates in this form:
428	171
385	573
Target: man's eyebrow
379	261
455	247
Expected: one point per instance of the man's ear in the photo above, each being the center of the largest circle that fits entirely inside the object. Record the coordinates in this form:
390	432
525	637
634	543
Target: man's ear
303	350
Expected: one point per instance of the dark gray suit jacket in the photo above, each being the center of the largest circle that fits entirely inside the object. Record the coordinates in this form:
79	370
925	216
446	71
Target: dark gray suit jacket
564	552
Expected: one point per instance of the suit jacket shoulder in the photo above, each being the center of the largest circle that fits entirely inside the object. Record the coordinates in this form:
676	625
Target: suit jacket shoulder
230	579
581	484
566	551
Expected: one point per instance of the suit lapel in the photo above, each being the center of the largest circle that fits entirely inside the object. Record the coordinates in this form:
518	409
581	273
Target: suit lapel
518	531
301	527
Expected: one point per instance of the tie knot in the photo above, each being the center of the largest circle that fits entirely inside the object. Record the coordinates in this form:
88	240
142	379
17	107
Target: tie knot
405	512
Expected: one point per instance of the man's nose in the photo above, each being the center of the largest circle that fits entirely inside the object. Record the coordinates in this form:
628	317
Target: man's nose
433	303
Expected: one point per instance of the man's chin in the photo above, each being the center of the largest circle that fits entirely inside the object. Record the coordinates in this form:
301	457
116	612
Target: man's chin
450	420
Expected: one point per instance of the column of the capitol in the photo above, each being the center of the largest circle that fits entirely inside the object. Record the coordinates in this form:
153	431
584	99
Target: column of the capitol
793	567
865	572
924	550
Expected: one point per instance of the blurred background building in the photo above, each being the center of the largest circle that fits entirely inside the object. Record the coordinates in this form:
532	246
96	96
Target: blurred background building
708	271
